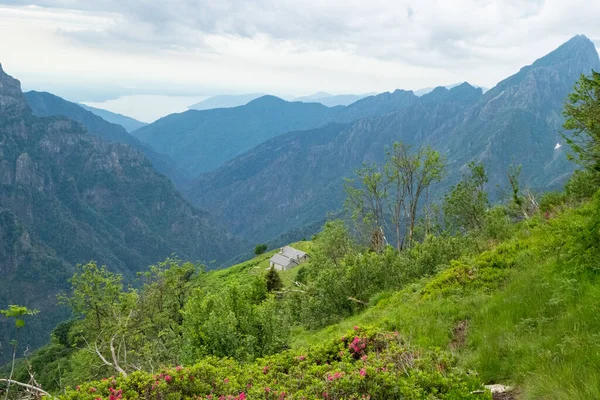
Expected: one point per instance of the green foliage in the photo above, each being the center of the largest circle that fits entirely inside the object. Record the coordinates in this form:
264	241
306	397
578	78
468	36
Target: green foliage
391	194
273	280
466	204
238	321
363	363
551	200
582	112
18	313
529	303
260	249
582	184
95	294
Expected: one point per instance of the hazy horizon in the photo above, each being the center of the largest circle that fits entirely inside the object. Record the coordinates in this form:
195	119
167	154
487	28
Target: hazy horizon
101	50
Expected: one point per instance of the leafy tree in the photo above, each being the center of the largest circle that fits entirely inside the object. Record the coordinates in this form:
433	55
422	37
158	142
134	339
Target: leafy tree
260	249
393	191
582	112
273	280
465	205
95	293
410	175
332	243
366	200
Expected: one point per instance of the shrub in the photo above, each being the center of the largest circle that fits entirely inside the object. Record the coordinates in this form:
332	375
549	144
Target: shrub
260	249
362	363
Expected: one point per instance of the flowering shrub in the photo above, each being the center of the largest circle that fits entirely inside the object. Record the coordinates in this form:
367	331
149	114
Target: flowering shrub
372	364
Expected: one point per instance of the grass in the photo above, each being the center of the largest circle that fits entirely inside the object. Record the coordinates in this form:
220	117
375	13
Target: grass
256	266
532	307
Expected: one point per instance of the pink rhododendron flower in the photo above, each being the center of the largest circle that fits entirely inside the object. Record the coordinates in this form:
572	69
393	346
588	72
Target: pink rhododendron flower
356	327
242	396
178	368
363	372
226	380
265	369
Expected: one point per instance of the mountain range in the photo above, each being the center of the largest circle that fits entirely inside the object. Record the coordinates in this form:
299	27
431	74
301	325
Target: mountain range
332	100
130	124
229	101
293	179
76	187
200	141
421	92
68	197
47	105
225	101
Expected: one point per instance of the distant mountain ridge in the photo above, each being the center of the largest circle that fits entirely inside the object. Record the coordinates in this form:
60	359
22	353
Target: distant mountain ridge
296	178
423	91
331	100
130	124
68	197
225	101
200	141
47	105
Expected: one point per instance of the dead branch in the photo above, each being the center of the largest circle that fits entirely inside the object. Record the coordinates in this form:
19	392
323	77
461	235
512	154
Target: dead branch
27	386
358	301
114	357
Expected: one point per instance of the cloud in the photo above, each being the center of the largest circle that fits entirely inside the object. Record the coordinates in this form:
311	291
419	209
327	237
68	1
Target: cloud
423	32
314	44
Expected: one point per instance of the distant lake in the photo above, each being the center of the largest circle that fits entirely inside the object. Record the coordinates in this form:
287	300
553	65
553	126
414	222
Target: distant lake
147	108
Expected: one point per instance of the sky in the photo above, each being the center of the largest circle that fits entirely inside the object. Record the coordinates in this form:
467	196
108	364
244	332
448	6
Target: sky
126	51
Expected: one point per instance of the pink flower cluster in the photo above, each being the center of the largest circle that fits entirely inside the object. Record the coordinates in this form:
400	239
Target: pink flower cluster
335	376
357	345
115	394
242	396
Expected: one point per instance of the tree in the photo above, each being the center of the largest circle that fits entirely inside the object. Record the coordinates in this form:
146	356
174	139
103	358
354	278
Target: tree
273	280
260	249
18	313
97	296
366	200
582	112
94	292
524	204
393	193
465	205
410	175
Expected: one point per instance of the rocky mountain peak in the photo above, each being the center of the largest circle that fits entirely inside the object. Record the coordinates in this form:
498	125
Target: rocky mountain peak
578	49
12	100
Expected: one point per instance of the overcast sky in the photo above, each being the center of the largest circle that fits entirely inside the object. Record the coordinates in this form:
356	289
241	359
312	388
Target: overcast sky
94	50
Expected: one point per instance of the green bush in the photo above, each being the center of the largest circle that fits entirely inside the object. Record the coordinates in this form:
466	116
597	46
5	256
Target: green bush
551	200
364	362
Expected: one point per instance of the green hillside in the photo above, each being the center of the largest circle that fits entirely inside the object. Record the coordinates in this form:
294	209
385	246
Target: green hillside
255	267
470	294
518	307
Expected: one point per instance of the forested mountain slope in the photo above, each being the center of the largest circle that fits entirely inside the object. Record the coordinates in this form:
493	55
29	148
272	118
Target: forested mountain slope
201	141
68	197
296	178
47	105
